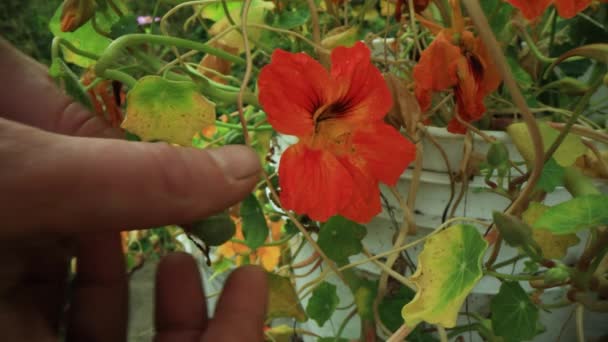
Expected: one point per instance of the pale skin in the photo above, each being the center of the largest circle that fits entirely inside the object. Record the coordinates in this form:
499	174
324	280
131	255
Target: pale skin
69	184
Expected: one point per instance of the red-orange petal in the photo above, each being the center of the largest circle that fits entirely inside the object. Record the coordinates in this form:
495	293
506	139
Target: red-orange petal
469	99
491	75
436	69
385	151
364	202
531	9
360	85
313	182
291	88
570	8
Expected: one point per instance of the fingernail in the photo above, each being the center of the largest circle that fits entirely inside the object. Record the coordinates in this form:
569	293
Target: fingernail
236	161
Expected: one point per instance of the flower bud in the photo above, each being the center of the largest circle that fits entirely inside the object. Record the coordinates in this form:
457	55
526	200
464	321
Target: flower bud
556	275
76	13
498	155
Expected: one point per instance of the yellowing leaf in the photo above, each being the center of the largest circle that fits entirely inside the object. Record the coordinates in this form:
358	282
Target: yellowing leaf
282	299
449	266
340	36
567	153
158	109
553	246
234	39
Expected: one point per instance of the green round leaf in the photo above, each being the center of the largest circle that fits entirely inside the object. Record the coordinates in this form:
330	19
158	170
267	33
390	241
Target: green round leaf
514	316
340	238
323	303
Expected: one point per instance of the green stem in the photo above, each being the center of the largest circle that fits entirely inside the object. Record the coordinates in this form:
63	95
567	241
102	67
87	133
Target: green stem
515	277
462	329
533	48
60	42
113	51
239	127
120	76
508	262
217	91
597	79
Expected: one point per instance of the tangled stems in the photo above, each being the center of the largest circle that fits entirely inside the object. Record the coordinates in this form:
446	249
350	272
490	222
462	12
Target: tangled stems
114	50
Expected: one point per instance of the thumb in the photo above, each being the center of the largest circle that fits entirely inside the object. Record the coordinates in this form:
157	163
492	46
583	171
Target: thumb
56	183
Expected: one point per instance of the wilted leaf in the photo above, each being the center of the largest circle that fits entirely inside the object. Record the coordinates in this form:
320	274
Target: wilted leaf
567	153
553	246
406	110
323	303
514	316
158	109
576	214
255	228
282	299
551	177
85	37
234	39
449	266
340	238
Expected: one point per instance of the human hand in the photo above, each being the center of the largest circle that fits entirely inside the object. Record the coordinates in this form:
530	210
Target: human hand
65	190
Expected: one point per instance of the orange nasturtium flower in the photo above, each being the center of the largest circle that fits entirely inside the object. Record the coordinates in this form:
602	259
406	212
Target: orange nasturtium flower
456	59
345	149
532	9
268	257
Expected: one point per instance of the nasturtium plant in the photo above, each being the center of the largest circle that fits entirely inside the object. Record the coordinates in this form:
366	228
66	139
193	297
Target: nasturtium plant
338	99
449	267
171	111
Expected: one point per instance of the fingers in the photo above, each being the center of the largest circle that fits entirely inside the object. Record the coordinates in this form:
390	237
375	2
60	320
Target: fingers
241	308
68	184
99	302
181	311
28	95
